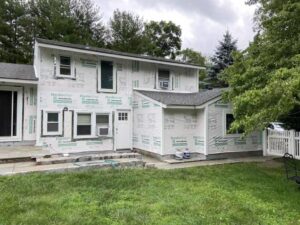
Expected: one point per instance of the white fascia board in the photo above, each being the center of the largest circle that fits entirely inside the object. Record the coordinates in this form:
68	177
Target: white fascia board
17	81
150	99
118	56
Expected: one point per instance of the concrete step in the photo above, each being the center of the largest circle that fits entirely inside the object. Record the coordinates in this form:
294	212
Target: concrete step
58	159
29	167
193	159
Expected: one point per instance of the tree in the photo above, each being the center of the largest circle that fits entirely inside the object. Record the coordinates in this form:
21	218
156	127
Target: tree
126	32
264	79
222	57
14	37
189	55
163	39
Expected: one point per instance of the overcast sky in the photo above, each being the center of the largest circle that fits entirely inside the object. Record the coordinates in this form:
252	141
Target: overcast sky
203	22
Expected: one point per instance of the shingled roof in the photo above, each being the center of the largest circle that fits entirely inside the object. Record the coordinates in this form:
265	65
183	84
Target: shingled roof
17	71
183	99
112	52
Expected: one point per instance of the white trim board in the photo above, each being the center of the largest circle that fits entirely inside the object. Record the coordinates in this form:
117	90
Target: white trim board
118	56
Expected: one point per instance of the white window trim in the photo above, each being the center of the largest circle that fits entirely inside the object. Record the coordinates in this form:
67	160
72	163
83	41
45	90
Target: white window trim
170	88
45	122
225	112
109	123
18	136
114	89
93	125
72	75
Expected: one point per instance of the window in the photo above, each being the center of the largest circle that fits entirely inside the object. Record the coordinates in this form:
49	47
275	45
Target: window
102	124
65	66
122	116
52	124
163	79
229	121
135	66
107	76
84	124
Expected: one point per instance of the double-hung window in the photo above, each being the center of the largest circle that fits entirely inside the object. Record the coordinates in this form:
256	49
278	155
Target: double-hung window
107	79
52	123
64	65
164	79
84	124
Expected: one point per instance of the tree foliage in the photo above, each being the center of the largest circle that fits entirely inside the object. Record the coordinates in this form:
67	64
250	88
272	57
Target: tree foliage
163	39
126	32
265	78
222	57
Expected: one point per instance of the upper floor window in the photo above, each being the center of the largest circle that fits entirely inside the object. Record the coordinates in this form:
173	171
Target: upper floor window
64	66
135	66
107	77
164	79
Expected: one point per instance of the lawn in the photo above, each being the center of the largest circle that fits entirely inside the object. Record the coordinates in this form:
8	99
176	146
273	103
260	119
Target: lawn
246	193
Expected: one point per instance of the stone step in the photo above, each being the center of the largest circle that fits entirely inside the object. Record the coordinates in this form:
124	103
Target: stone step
58	159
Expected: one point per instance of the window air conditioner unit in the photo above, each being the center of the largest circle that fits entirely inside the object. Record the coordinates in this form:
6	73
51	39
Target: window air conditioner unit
102	131
164	84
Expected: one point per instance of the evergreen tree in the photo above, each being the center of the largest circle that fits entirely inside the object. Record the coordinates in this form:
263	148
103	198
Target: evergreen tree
222	58
15	40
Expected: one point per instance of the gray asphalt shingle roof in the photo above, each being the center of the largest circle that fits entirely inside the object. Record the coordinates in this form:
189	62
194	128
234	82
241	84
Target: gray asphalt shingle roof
183	99
17	71
108	51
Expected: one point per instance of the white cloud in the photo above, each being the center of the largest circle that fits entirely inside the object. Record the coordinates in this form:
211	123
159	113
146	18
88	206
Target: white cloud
203	22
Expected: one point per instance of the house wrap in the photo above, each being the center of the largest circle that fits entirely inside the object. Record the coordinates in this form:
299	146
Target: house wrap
78	98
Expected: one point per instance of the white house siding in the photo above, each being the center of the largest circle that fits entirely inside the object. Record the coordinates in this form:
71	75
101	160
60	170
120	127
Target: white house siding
181	79
219	142
147	124
78	95
183	129
30	110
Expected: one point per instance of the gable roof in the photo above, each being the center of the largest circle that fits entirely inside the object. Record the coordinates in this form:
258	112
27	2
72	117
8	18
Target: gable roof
17	71
183	99
117	53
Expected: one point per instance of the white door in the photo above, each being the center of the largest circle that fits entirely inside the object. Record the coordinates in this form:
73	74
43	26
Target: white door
123	130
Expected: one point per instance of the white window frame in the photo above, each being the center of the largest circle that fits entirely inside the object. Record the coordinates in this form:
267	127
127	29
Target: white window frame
72	75
45	123
225	113
109	123
93	124
170	87
114	89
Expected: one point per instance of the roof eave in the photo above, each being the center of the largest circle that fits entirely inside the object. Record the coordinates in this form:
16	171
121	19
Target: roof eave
115	55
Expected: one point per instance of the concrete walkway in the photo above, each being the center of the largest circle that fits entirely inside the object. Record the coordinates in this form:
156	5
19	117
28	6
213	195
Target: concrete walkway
28	167
151	162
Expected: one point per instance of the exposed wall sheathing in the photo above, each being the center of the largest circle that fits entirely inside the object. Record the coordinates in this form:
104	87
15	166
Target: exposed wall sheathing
30	113
147	124
183	129
81	95
219	142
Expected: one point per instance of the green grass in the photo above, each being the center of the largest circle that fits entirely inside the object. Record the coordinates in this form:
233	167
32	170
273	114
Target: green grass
248	193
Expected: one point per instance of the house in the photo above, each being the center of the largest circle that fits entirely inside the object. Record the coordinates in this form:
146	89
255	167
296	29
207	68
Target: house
79	98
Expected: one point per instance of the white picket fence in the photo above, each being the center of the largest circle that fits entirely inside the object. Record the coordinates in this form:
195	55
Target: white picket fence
279	142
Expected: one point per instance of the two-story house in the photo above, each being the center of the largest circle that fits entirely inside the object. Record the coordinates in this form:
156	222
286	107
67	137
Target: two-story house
79	98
